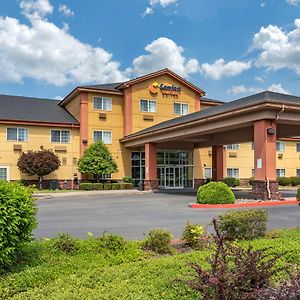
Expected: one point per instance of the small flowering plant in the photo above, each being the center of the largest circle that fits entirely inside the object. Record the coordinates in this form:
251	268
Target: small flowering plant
193	235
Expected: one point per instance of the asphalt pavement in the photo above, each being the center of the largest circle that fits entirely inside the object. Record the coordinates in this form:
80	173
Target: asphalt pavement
133	215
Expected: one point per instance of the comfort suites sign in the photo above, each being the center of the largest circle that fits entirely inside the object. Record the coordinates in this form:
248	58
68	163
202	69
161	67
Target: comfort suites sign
165	88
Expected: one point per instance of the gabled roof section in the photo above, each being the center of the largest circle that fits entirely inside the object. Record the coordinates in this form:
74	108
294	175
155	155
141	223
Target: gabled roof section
163	72
36	110
254	100
211	101
104	87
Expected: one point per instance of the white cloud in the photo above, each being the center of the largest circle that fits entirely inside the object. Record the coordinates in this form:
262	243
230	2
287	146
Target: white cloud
164	53
65	10
293	2
220	69
59	98
35	9
259	78
278	49
153	3
45	52
243	90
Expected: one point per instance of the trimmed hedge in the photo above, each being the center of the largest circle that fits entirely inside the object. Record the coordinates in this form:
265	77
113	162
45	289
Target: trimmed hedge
215	193
115	186
232	182
107	186
17	219
86	186
89	186
284	181
246	224
295	181
98	186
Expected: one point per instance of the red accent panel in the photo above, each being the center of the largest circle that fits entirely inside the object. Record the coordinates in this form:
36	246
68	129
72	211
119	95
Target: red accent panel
83	121
128	111
218	163
150	161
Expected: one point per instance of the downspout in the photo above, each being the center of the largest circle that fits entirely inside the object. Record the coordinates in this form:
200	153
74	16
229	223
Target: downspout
268	188
282	110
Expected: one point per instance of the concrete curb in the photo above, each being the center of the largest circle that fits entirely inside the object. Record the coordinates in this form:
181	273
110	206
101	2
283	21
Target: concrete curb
249	204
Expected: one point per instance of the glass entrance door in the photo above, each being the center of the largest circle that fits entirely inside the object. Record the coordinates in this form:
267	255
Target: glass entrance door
173	177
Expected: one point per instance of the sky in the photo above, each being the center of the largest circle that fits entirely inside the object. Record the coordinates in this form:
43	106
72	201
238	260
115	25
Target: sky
228	48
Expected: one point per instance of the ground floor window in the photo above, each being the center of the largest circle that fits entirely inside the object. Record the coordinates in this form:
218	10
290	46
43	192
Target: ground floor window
280	172
4	173
207	173
298	172
233	172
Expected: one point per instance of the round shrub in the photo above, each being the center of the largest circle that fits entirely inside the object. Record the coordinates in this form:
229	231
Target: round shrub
193	235
284	181
127	179
215	193
65	243
232	182
159	241
17	219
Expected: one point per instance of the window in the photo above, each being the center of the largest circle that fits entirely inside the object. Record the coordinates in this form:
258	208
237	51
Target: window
298	172
148	105
102	103
280	146
233	147
17	134
233	172
207	173
252	172
60	136
252	146
181	108
298	147
4	173
104	136
280	172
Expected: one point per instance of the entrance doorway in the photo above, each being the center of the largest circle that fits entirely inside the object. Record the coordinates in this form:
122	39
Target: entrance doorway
174	177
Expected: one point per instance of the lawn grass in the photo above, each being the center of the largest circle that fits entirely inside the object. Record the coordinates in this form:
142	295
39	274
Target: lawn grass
46	273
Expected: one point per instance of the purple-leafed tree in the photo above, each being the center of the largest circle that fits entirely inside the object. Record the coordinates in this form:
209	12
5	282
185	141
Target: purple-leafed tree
40	163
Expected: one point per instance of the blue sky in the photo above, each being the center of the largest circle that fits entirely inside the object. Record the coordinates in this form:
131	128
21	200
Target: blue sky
229	48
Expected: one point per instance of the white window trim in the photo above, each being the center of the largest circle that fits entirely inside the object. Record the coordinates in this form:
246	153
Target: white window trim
233	169
210	168
111	136
296	147
17	135
280	169
148	100
8	171
280	143
181	103
102	103
237	147
60	142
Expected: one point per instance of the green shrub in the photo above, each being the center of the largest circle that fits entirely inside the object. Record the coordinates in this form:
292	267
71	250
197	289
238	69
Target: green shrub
251	181
115	186
298	195
111	242
127	179
232	182
65	243
215	193
246	224
86	186
17	219
128	186
295	181
98	186
192	235
158	240
107	186
284	181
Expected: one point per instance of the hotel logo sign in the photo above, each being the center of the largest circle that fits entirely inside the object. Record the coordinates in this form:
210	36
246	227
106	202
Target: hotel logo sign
165	88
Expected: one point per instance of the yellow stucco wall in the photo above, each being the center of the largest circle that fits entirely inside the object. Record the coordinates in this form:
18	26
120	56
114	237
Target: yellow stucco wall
38	136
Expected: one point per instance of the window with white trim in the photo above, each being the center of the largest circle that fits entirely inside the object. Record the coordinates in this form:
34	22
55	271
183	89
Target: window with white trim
280	172
17	134
298	147
103	136
102	103
4	173
233	172
232	147
298	172
60	136
147	105
280	146
181	108
207	173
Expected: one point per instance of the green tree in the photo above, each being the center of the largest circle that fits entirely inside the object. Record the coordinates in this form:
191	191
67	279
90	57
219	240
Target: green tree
40	163
97	160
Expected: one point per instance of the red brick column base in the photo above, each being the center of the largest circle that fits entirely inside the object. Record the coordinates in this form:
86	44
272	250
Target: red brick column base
260	191
151	185
199	182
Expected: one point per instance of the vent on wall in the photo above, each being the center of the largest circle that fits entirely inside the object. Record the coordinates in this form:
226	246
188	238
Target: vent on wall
60	149
102	116
148	118
17	147
280	155
232	154
64	161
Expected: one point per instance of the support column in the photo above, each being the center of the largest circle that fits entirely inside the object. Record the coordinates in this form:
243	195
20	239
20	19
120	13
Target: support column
218	163
150	182
265	185
83	121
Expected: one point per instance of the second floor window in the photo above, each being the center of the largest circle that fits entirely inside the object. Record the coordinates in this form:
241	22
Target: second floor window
102	103
298	147
181	108
17	134
280	146
60	136
233	147
147	105
102	136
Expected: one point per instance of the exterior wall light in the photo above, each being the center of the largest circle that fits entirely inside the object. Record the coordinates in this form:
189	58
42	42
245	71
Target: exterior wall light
271	130
84	141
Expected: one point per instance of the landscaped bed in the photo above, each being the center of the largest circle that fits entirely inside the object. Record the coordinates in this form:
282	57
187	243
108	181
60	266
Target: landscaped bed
129	273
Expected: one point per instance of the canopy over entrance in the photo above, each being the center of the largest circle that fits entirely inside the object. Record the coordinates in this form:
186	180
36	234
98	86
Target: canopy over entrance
262	118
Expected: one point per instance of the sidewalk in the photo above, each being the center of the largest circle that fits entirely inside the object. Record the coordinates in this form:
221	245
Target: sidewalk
85	193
